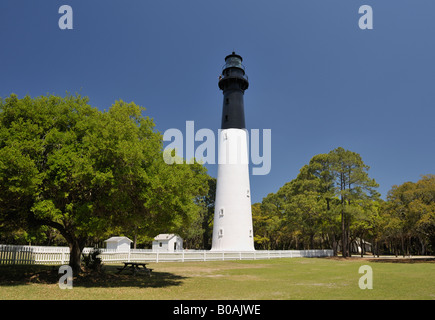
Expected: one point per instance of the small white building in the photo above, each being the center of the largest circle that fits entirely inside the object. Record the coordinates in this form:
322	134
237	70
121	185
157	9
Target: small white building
167	242
119	244
356	245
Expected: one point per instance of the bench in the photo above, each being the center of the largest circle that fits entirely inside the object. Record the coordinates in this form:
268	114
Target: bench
135	267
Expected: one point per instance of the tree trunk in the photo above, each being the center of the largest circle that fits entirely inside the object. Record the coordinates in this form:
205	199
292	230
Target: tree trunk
205	235
76	248
403	246
334	245
344	237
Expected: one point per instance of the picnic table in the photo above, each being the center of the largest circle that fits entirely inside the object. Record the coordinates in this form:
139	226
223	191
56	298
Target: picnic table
134	267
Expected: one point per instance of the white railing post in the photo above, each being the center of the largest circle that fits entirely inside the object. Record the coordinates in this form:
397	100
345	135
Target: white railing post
14	255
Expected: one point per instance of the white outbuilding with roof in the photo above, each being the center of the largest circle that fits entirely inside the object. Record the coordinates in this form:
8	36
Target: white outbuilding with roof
167	242
119	244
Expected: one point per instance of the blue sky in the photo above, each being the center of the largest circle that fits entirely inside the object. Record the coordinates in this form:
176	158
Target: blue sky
316	79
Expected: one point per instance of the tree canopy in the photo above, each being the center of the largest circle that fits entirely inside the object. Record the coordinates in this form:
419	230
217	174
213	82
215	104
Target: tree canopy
323	202
333	203
89	173
409	216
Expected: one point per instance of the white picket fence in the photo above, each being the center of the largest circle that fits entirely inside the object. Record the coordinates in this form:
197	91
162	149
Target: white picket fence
13	254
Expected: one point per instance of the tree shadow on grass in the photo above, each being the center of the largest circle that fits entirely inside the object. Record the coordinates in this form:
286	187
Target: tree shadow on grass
403	260
106	278
390	259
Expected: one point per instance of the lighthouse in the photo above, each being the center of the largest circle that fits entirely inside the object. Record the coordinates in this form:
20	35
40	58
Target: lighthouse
232	228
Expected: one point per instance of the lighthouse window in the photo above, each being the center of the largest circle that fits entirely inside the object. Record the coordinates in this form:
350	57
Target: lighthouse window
247	193
233	62
226	117
227	101
221	212
221	232
250	233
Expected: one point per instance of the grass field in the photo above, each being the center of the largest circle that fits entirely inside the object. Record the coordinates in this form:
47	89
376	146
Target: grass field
275	279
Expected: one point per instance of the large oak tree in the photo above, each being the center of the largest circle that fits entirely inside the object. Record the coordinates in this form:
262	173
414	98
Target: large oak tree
89	173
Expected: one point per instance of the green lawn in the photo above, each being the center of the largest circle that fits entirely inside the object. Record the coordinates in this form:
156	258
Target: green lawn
275	279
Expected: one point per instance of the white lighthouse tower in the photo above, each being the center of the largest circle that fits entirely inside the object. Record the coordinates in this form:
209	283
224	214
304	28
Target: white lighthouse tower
232	229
